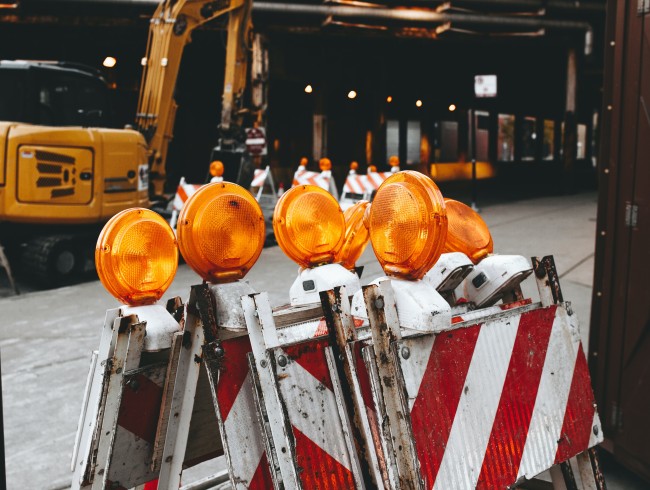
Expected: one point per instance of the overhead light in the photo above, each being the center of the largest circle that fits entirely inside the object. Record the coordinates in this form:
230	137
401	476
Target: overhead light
352	94
389	99
418	103
309	89
452	107
109	62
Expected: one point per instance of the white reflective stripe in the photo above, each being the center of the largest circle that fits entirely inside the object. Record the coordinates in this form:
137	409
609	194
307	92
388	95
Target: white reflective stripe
354	185
255	141
470	432
375	179
260	177
178	202
414	368
596	438
244	459
550	405
310	414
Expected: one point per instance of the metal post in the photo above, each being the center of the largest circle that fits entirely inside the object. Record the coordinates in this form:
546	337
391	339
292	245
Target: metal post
472	136
3	473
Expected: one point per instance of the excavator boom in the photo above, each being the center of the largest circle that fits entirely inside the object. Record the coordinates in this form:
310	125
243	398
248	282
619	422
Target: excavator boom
169	32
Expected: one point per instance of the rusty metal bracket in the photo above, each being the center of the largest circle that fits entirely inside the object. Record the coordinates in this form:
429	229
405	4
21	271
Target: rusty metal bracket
396	426
207	310
342	334
548	282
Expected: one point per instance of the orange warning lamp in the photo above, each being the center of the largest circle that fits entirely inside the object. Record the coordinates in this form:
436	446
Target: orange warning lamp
325	164
304	162
356	234
467	232
221	232
216	168
309	225
136	256
372	168
354	166
393	161
408	224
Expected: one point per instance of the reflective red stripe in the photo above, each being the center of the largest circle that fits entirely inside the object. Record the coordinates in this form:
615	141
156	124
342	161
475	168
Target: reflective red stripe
435	406
262	478
140	408
234	369
510	428
311	356
319	469
181	193
579	415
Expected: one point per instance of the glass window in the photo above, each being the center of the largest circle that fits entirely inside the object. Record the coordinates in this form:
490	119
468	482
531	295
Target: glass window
594	139
72	101
413	137
482	135
506	138
528	138
548	150
392	138
13	96
581	141
448	141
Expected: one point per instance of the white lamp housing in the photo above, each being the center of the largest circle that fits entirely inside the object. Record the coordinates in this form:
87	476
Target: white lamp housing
419	306
494	276
312	281
449	271
160	328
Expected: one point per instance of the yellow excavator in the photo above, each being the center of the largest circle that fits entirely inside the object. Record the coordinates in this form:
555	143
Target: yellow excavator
63	174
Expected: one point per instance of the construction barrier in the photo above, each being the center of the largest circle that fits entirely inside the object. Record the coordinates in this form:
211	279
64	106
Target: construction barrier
422	380
500	395
323	179
359	186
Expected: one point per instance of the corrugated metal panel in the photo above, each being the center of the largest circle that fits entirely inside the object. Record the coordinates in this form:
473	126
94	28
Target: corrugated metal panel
306	388
498	401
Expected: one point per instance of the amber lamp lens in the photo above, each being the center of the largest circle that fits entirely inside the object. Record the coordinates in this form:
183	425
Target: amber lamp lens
216	168
354	165
136	256
356	235
325	164
221	232
309	225
408	224
467	232
372	168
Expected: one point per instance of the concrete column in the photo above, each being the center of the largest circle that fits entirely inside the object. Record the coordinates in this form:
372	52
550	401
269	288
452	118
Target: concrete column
570	126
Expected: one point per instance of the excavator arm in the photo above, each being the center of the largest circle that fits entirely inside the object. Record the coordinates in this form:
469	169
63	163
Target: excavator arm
169	32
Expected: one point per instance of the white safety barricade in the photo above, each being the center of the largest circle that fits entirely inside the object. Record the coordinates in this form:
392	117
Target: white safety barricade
307	394
183	193
323	179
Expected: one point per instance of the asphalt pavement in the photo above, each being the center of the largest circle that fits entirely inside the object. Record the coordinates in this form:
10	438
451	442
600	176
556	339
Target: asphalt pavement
46	337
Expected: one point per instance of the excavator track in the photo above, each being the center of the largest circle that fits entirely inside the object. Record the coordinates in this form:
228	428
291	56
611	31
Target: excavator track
55	260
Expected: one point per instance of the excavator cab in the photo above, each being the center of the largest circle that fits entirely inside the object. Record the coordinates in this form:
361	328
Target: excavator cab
54	94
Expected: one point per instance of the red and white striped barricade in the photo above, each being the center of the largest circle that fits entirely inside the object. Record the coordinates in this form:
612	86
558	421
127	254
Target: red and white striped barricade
183	193
358	187
355	189
125	426
302	399
263	188
262	183
500	396
374	179
323	179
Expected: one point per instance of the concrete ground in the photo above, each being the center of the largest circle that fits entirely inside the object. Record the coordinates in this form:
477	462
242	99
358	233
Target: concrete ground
46	337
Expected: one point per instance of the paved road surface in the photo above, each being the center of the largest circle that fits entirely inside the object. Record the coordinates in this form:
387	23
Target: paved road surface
46	337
